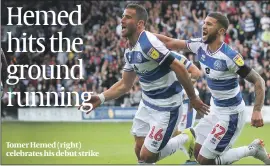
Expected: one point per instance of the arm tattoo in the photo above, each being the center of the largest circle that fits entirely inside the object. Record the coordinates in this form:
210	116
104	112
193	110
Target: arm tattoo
259	84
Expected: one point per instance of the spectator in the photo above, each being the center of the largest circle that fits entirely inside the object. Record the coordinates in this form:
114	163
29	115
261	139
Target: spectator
103	46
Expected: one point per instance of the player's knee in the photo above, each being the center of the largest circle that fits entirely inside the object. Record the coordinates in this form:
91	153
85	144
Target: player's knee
147	156
204	161
201	160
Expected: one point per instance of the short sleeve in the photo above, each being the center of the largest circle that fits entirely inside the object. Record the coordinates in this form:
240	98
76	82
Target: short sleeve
127	66
236	62
235	59
194	44
153	47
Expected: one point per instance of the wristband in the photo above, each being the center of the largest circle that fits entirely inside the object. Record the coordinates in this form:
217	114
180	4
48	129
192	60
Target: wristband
102	98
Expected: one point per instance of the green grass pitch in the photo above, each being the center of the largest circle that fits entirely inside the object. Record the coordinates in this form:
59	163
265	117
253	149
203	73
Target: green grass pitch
113	141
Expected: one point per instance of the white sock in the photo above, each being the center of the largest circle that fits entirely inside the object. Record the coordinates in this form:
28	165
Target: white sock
174	144
233	155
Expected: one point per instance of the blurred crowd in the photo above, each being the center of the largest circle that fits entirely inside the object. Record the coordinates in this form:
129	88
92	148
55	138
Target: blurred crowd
102	51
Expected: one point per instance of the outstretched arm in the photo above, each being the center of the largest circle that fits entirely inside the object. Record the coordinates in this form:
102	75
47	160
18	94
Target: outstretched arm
121	87
171	43
118	89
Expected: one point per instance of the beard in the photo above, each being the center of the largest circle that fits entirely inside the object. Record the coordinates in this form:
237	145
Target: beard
212	37
129	32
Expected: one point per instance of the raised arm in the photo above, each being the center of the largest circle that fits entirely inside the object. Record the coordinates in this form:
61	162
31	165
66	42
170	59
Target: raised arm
194	16
171	43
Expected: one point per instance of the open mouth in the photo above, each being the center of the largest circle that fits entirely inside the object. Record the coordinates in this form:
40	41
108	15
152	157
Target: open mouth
204	33
124	28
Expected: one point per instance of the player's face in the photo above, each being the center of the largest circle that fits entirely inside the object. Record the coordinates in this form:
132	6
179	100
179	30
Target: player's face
129	22
210	30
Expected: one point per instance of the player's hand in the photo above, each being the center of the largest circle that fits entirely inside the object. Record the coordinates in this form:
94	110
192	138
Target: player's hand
95	101
199	106
256	119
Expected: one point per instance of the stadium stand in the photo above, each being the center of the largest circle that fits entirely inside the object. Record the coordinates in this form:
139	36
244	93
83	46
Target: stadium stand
102	51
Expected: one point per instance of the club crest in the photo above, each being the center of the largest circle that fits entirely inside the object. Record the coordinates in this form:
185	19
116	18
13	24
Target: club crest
218	65
139	57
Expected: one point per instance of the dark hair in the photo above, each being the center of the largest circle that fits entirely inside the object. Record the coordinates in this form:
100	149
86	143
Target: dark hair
221	19
141	12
